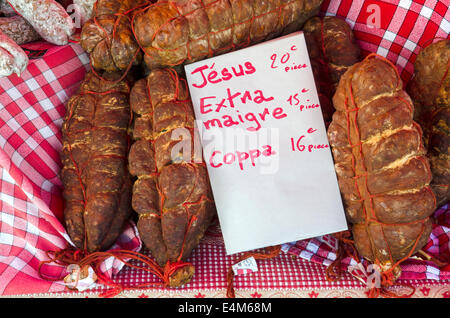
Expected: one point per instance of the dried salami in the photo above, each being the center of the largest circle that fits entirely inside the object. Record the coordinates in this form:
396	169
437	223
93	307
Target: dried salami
97	184
383	173
18	29
108	37
12	58
332	50
48	18
177	31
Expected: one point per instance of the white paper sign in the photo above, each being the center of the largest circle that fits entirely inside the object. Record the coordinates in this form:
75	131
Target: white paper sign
265	145
245	266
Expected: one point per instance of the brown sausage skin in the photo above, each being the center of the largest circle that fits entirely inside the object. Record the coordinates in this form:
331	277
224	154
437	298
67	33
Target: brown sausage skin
108	36
332	49
177	31
430	91
383	173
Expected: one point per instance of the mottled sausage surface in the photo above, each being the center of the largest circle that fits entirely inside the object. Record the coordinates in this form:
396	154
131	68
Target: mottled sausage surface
383	173
12	58
18	29
332	50
430	91
176	31
48	18
108	36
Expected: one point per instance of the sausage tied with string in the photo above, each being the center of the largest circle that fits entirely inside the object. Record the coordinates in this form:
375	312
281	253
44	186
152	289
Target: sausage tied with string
430	91
183	31
97	185
383	173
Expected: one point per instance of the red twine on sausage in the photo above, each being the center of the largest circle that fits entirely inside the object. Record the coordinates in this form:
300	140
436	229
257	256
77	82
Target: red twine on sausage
81	257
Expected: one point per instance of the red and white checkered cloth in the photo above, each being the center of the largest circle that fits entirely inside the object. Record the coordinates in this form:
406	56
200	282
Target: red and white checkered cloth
31	112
